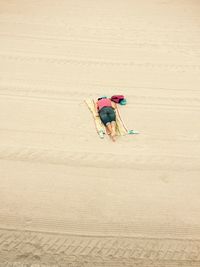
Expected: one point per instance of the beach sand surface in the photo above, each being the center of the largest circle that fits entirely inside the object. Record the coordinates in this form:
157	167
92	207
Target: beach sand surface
67	197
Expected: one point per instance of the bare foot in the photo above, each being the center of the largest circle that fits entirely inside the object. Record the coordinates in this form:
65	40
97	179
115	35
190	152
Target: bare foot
108	132
113	136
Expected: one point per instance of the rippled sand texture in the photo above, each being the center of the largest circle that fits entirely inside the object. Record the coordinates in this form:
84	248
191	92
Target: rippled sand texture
68	196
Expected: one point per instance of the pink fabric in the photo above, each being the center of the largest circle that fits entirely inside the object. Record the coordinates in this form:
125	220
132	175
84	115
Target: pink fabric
104	102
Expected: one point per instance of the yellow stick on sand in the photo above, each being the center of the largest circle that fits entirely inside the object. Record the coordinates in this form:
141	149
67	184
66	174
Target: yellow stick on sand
98	124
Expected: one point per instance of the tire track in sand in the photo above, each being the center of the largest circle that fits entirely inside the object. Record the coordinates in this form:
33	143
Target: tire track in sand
36	248
88	158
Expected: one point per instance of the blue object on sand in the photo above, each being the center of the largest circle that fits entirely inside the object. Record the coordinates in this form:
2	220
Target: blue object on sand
123	102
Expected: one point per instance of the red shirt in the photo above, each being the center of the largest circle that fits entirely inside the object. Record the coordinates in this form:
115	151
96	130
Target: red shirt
104	102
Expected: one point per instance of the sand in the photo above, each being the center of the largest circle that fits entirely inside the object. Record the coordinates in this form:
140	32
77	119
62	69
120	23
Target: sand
68	198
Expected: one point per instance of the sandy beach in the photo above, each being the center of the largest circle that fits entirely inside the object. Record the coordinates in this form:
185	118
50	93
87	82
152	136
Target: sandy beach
67	197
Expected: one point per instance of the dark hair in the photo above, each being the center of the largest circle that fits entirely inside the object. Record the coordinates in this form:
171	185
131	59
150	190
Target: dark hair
102	97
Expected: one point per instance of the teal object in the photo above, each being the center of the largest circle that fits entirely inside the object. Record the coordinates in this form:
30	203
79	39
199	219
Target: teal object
123	102
133	132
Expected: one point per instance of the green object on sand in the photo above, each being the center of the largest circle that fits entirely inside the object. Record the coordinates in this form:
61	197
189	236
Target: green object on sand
133	132
101	134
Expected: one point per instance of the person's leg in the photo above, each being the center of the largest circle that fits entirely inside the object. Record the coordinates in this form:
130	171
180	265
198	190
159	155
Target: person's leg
104	116
108	118
112	118
108	128
113	132
113	127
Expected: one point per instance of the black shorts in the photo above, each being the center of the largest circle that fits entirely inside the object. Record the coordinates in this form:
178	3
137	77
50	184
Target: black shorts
107	114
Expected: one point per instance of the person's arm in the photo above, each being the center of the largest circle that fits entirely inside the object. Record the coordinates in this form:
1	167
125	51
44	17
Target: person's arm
114	105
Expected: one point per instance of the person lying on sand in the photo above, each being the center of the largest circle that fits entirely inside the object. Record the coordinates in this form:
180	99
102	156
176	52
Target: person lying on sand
105	109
